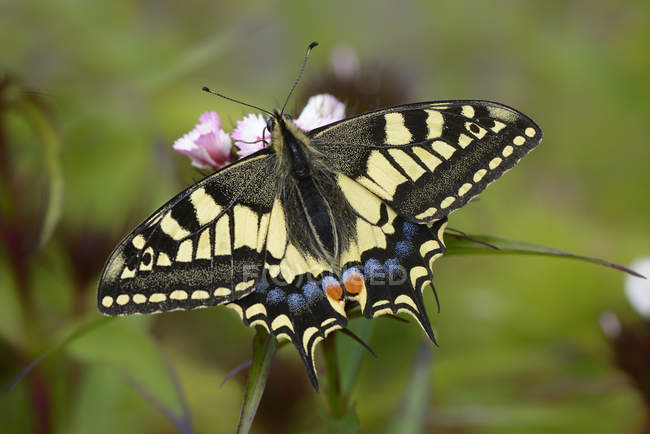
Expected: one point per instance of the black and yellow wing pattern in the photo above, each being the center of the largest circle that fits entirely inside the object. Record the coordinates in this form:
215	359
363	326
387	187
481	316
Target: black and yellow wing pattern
204	247
428	159
380	208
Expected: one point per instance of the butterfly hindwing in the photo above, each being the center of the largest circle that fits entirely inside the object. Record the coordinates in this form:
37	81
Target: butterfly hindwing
300	311
204	247
391	259
428	159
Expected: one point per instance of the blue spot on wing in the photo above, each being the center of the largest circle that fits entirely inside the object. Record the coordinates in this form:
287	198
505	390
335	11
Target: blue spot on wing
391	266
410	230
262	286
275	296
402	248
373	266
296	302
312	292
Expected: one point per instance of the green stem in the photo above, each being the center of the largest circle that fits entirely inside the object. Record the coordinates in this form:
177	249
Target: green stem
264	347
338	405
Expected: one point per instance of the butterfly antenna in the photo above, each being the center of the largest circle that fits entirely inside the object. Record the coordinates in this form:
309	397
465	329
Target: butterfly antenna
302	68
208	90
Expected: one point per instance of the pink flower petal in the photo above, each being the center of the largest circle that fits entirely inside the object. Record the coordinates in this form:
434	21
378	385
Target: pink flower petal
248	135
207	145
320	110
211	118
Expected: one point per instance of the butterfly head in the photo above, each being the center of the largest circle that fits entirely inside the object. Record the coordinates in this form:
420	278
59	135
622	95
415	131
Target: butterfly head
291	144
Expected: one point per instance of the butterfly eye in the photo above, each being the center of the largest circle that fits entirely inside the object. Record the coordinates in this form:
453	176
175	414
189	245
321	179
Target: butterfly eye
269	124
287	116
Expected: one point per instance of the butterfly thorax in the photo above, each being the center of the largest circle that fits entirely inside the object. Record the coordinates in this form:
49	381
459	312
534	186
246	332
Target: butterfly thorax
318	216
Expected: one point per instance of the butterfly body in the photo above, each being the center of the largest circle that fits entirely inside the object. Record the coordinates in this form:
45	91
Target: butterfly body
352	212
317	213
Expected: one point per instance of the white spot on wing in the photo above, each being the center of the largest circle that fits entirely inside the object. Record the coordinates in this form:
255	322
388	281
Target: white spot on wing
138	241
107	301
157	297
494	163
464	188
447	202
479	175
178	294
200	295
122	299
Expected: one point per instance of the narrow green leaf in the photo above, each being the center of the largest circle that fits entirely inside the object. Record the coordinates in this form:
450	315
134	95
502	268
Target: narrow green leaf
79	331
412	414
341	418
348	423
333	377
126	346
264	348
459	243
44	127
351	353
183	421
33	110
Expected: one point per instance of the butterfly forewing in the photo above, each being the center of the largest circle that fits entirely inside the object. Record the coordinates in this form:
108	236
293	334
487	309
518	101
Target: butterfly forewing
204	247
428	159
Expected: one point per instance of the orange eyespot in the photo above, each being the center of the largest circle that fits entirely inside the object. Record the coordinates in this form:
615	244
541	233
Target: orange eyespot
333	290
354	283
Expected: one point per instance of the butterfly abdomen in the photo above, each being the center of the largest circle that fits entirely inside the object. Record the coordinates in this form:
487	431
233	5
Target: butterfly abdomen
319	216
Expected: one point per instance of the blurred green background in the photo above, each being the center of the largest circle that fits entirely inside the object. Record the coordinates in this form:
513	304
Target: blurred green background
111	85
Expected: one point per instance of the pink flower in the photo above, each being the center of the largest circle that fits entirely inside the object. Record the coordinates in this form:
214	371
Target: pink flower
248	135
207	145
320	110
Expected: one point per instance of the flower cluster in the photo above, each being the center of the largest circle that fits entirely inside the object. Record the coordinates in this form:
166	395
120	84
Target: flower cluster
210	147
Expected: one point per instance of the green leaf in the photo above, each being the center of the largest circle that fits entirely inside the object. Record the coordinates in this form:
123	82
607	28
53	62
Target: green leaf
79	330
412	414
350	353
126	346
348	423
97	403
44	127
264	347
341	417
459	243
37	114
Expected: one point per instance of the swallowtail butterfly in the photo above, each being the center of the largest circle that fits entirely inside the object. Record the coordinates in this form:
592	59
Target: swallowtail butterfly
352	212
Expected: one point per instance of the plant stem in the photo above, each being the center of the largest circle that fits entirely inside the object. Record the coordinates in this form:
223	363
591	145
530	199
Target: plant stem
264	347
338	404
